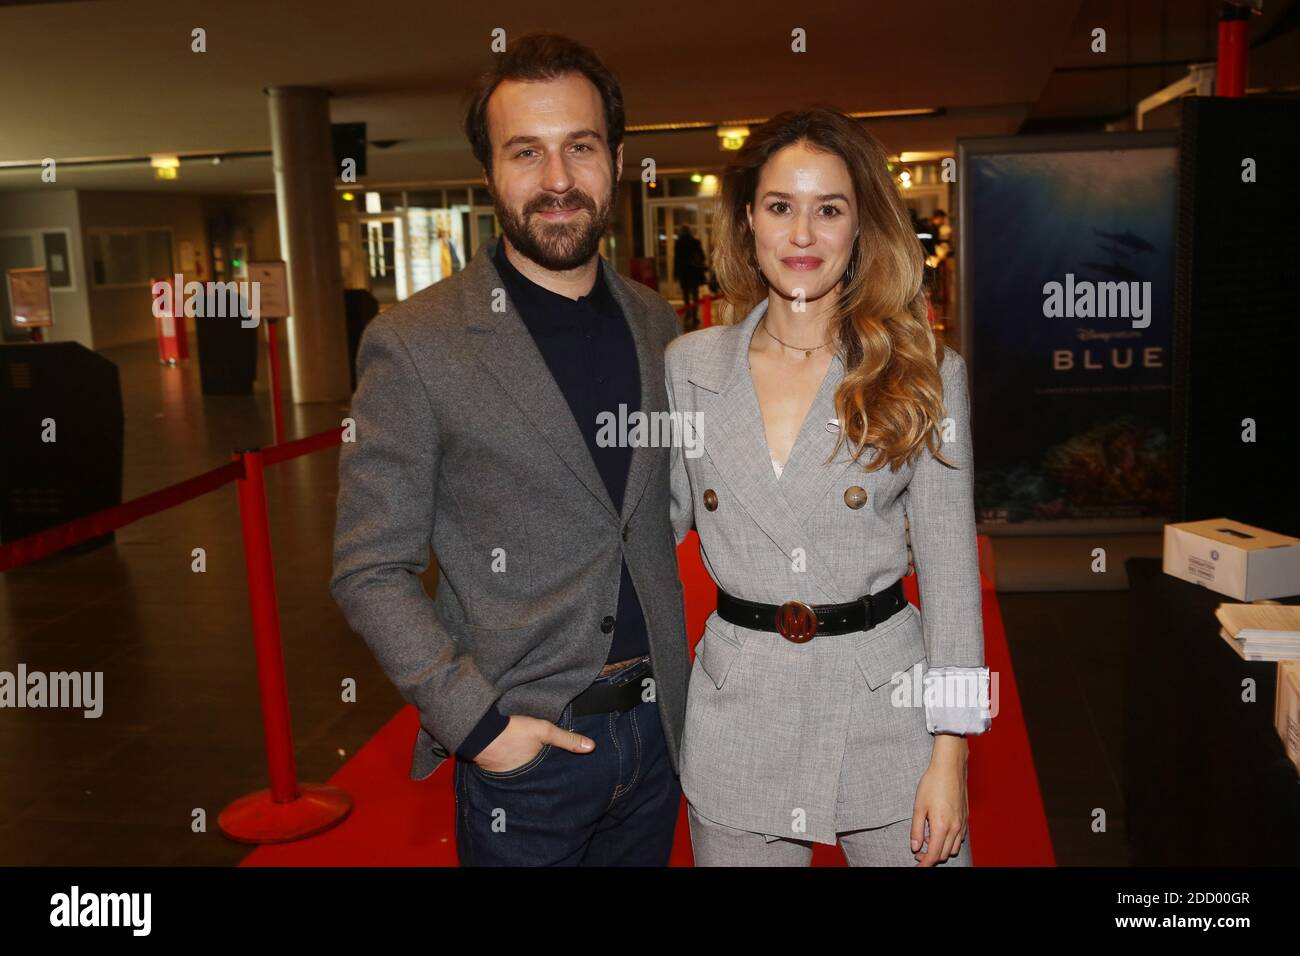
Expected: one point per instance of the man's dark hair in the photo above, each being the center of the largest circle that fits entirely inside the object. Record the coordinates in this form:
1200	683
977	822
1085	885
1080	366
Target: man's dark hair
544	56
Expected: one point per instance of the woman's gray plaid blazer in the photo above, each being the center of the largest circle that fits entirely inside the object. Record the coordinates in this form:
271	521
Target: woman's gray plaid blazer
807	740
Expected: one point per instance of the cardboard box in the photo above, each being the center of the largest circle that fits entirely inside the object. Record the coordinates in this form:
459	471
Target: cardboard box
1286	716
1235	559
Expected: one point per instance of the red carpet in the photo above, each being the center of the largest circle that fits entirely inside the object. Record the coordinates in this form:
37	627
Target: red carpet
399	822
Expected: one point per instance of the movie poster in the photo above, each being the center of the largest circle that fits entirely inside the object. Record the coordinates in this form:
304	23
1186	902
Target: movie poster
1068	260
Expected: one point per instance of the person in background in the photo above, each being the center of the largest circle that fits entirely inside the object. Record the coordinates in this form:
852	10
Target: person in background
939	226
688	269
923	232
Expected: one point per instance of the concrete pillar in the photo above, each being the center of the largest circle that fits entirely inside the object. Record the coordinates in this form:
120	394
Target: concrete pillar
302	153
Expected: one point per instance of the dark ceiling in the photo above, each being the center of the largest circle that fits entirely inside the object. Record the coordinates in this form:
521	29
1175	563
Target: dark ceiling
111	80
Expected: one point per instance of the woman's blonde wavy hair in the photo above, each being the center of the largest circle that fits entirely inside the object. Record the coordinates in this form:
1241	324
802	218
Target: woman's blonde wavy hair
891	398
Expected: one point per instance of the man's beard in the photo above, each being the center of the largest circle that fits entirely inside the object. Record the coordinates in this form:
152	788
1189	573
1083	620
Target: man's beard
556	246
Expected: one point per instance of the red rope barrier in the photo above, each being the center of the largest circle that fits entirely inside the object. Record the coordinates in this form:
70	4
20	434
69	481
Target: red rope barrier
1230	73
287	810
302	446
265	607
706	310
42	544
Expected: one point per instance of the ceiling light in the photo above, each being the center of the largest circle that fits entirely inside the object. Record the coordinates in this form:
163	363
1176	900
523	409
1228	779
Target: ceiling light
165	165
733	137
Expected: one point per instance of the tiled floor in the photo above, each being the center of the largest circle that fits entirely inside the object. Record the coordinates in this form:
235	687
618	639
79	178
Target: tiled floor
180	734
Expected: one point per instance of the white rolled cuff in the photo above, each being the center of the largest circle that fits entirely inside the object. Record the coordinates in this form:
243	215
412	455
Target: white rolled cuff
957	700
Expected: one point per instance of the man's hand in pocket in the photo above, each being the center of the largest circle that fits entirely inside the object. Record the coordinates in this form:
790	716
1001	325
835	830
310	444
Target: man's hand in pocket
523	739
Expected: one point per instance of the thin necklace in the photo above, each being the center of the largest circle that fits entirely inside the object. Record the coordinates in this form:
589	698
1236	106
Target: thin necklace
807	353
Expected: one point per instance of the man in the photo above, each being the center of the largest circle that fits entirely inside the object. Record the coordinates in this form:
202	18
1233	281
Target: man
553	662
688	269
939	226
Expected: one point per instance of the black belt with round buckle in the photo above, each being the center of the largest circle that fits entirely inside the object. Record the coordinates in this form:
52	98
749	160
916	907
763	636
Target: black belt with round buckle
798	622
615	697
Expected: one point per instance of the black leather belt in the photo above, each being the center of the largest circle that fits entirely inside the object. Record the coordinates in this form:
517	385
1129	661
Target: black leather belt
798	622
614	696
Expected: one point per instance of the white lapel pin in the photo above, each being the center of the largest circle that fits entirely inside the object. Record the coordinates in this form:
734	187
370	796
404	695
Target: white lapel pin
833	425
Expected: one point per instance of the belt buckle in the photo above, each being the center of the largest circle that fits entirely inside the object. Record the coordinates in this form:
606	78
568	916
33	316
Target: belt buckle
796	622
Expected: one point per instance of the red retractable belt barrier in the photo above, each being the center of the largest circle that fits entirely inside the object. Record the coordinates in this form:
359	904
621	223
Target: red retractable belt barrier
287	810
706	310
173	347
1230	72
42	544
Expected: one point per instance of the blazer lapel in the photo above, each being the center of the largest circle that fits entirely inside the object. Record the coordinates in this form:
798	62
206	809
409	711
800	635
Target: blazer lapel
734	440
507	350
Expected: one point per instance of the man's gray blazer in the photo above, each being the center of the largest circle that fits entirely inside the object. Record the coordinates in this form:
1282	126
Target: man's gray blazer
466	445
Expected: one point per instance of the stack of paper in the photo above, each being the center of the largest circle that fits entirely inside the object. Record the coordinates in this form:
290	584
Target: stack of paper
1261	632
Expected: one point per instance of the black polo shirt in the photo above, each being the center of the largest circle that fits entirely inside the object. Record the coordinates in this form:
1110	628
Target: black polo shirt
589	350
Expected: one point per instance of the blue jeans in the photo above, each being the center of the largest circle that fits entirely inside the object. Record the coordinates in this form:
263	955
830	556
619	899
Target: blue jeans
614	806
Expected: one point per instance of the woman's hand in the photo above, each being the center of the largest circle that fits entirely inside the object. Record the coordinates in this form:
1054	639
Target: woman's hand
941	801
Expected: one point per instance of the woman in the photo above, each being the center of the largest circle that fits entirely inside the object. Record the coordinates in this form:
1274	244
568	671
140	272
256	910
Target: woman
822	705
